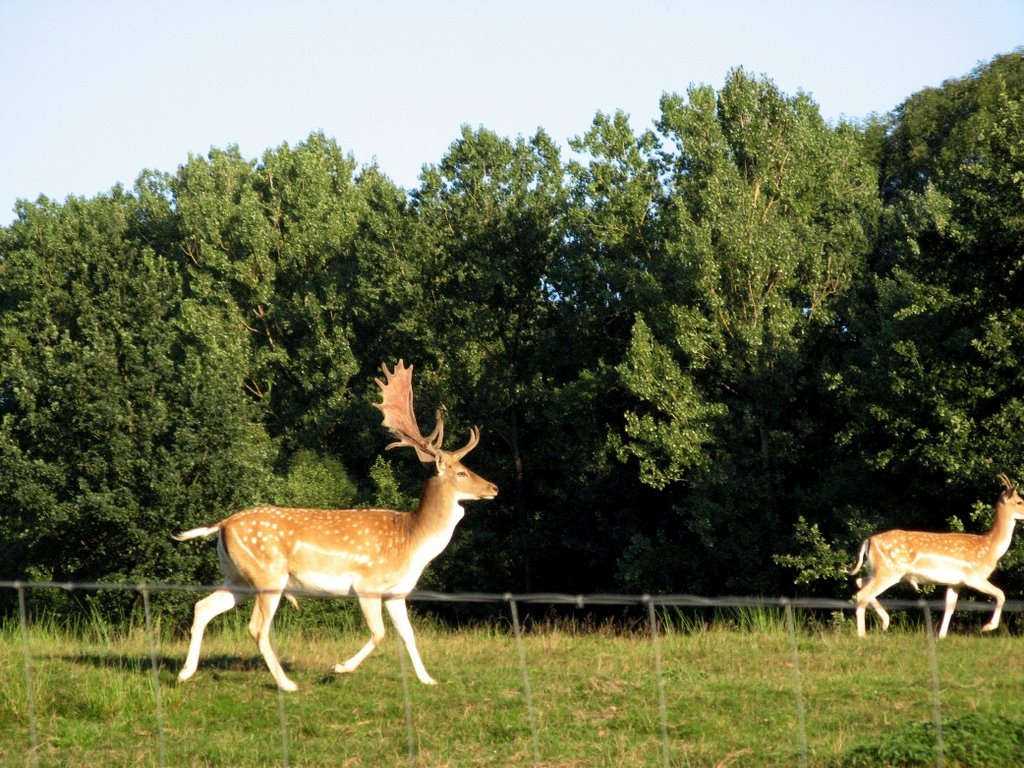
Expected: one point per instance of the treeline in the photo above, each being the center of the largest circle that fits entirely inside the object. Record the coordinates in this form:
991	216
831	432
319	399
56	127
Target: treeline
706	357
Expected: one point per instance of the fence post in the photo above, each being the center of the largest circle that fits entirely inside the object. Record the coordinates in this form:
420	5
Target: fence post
940	747
410	726
282	716
517	630
801	722
33	755
154	665
662	708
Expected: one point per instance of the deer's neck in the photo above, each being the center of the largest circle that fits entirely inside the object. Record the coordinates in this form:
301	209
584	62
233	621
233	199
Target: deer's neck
434	520
1002	530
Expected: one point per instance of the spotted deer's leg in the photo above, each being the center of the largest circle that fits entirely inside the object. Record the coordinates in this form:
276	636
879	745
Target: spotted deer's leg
400	618
371	607
951	596
224	599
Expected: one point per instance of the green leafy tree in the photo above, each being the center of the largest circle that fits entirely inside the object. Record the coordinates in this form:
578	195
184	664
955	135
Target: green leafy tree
604	276
706	356
122	413
765	222
491	214
277	238
608	269
931	380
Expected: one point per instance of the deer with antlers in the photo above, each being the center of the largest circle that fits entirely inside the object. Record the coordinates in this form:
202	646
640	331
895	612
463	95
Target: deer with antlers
375	554
954	559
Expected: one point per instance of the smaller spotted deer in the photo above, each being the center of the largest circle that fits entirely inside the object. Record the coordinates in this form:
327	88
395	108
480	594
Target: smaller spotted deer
375	554
954	559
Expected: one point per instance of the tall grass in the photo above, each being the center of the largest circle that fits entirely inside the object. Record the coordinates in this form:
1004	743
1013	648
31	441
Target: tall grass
727	678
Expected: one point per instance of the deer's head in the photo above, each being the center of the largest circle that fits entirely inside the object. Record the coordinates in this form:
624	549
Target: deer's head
1011	498
400	419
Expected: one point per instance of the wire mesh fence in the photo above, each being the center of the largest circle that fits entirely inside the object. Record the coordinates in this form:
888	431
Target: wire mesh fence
657	612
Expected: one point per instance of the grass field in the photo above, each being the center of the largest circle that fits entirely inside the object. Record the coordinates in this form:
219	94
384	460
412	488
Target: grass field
729	686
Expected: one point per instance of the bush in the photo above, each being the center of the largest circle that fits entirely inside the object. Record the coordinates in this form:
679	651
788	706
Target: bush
317	481
976	740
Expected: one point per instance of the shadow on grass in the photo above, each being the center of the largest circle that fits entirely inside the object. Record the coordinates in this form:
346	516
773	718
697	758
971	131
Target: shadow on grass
140	664
143	664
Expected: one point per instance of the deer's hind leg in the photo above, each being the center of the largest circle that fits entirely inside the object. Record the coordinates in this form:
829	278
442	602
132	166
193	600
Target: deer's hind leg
868	595
216	603
951	596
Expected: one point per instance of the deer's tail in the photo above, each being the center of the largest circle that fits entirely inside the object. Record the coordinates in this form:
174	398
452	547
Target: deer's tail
861	554
209	530
195	533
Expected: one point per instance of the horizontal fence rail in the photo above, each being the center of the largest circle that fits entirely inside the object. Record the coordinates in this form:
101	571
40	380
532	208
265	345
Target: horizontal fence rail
548	598
648	603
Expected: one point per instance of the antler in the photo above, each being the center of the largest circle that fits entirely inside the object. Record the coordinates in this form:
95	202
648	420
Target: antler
1006	482
474	438
399	417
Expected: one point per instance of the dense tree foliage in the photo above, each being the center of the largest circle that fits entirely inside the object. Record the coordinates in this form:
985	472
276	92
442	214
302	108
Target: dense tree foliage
929	385
766	220
706	357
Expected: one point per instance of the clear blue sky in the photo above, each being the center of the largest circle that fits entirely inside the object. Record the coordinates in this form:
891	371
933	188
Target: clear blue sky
94	91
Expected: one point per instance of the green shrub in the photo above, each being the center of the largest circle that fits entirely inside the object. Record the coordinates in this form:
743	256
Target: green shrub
973	740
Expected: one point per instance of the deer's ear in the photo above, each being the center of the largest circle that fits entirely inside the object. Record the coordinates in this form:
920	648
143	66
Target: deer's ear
440	464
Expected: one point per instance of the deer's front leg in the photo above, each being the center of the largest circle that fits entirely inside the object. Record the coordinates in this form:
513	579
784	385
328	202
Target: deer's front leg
992	590
400	618
375	621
